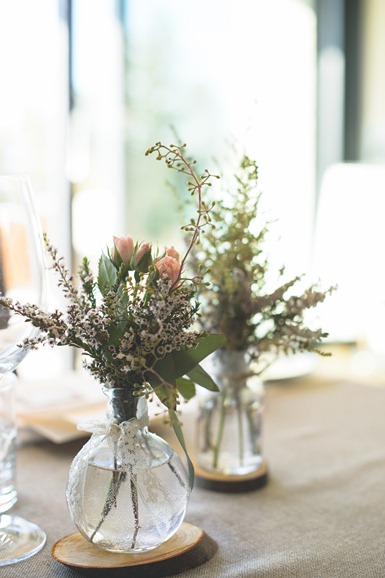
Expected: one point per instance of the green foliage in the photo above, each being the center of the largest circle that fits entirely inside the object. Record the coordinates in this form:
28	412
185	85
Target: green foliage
238	301
107	277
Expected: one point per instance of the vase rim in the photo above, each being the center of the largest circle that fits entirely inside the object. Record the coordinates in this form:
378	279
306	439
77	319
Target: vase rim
129	390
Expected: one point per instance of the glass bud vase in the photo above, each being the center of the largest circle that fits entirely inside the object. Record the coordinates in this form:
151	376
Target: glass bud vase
230	421
127	489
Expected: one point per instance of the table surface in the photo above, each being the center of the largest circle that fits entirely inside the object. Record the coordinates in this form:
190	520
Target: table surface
322	513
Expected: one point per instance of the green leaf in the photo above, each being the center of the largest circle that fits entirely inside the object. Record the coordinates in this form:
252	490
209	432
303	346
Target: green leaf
186	387
186	359
107	275
201	377
164	394
165	368
163	382
175	365
182	362
179	434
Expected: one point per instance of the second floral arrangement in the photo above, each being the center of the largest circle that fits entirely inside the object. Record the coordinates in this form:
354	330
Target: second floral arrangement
260	318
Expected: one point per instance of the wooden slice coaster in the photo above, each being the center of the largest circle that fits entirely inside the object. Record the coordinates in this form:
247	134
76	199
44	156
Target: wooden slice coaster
229	482
188	548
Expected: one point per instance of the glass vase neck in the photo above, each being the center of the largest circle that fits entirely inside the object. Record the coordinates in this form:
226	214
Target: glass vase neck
231	367
124	404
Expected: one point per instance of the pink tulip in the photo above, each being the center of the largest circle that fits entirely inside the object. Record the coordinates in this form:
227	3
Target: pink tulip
170	267
125	247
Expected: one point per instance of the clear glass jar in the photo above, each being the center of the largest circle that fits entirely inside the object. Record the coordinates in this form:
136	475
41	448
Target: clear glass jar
127	489
230	421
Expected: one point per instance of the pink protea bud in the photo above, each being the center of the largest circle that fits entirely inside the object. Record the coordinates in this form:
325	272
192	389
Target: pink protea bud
170	267
141	252
142	258
124	246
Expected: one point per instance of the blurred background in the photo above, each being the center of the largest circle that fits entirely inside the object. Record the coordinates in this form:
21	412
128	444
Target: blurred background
87	86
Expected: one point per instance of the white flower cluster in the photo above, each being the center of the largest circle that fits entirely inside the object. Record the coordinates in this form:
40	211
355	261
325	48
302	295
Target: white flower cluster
158	325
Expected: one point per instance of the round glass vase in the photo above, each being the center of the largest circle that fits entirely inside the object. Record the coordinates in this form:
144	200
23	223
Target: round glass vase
127	489
230	421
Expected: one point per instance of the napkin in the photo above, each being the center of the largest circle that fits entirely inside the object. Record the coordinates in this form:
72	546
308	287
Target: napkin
53	407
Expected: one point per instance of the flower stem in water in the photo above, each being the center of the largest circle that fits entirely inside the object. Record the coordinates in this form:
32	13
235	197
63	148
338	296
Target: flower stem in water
218	440
135	506
116	479
240	431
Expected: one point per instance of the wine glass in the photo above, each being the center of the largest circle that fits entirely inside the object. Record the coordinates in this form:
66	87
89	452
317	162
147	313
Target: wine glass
23	278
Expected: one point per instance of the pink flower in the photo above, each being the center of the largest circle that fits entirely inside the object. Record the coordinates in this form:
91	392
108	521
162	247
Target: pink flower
125	248
171	252
143	250
170	267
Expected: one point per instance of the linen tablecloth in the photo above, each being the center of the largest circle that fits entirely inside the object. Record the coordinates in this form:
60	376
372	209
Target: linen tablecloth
321	515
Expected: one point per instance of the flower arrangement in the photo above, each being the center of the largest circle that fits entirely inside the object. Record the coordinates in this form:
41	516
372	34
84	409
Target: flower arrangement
134	321
238	300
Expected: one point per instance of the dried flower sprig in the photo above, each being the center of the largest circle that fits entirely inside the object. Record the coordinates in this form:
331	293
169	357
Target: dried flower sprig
238	302
176	159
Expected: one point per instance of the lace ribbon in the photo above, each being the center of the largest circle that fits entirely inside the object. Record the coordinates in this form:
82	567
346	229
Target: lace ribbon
122	437
112	429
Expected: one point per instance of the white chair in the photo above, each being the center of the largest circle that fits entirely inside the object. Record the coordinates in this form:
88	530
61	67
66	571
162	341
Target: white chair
349	250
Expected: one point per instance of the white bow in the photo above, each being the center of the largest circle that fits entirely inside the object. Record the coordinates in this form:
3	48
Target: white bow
112	429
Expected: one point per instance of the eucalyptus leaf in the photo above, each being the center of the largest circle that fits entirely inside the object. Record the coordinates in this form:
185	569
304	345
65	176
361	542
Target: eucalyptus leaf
165	395
179	434
201	377
186	387
164	371
186	359
184	362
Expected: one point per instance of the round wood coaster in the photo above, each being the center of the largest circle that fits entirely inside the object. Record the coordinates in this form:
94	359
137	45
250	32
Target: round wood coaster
229	482
188	548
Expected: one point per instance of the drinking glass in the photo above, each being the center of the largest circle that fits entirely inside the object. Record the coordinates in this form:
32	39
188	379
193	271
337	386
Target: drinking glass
23	278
